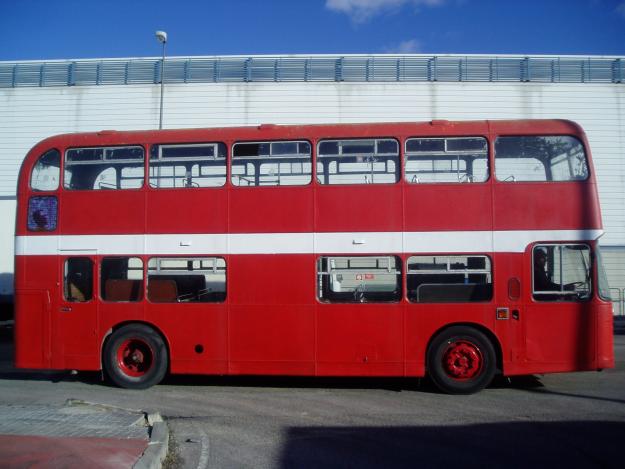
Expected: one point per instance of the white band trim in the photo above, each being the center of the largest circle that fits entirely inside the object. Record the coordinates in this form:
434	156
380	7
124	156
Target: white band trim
296	243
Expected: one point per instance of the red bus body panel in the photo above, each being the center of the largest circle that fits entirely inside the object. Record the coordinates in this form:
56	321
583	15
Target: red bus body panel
271	321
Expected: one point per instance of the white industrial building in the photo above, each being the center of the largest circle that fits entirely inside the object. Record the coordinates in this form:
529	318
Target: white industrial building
39	99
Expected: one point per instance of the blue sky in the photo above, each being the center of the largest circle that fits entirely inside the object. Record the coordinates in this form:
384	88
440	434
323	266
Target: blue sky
64	29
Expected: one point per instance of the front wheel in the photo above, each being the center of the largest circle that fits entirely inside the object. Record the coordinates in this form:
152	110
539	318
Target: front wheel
461	360
135	357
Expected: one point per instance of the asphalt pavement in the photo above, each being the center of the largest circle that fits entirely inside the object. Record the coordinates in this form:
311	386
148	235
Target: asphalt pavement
60	419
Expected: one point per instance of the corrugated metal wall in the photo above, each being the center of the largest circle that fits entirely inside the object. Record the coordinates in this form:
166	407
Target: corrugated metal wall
30	114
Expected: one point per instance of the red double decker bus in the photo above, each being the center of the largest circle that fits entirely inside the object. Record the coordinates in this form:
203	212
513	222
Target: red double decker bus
453	249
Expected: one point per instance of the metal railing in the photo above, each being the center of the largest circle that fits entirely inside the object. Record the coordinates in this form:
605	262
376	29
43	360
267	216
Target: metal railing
369	68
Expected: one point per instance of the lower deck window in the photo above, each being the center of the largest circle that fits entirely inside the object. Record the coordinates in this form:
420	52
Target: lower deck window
359	279
449	279
78	279
186	280
121	279
561	272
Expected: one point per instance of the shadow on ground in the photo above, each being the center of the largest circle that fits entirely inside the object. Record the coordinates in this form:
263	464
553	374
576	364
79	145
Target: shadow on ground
517	445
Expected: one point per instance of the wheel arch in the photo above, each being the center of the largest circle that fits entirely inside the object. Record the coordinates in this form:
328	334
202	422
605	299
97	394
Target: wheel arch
118	326
490	335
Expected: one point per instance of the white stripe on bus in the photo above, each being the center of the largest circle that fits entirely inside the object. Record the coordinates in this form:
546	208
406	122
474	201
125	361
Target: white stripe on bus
296	243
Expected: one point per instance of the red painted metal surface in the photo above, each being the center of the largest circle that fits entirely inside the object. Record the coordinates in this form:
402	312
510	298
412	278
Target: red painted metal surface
271	321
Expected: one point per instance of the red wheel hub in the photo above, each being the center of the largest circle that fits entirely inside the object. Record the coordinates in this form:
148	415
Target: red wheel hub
462	360
135	357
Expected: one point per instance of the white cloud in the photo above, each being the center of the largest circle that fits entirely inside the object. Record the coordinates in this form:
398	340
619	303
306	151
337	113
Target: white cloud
411	46
362	10
620	9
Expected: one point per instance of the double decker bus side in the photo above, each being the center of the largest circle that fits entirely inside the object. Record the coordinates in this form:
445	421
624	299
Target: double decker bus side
454	249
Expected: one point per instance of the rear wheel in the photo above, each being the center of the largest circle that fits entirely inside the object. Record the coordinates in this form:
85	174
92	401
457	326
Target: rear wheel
461	360
135	357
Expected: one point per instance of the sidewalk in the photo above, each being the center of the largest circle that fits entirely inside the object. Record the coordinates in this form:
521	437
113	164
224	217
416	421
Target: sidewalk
78	435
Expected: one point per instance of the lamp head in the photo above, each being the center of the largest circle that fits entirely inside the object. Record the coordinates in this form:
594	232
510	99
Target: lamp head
161	36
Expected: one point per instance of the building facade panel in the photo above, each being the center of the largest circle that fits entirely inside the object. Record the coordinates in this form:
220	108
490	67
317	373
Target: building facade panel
29	114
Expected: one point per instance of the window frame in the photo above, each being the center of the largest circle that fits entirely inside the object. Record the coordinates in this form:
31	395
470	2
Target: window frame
94	293
263	159
197	159
29	213
580	140
101	284
397	270
65	164
186	258
489	272
445	138
32	169
319	157
562	296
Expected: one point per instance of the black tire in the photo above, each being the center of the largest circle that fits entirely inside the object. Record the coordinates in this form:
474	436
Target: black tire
135	357
461	360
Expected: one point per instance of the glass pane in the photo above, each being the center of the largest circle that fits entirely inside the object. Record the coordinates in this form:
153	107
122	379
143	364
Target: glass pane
426	145
104	168
358	162
187	166
540	158
359	279
186	280
46	172
446	160
121	279
449	279
561	272
42	213
271	164
602	277
78	279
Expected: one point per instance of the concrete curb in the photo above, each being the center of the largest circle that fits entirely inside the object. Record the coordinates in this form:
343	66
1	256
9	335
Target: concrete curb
156	452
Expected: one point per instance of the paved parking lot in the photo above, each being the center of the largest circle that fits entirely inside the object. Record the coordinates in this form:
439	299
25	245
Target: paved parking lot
576	419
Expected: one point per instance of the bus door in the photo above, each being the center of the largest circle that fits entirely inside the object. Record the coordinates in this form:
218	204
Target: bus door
558	317
77	314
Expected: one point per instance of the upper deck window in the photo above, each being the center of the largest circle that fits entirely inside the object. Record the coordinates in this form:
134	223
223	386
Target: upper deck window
46	172
189	165
104	168
371	161
431	160
271	163
540	158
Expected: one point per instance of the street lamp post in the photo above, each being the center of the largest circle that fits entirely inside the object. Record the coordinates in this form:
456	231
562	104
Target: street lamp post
162	38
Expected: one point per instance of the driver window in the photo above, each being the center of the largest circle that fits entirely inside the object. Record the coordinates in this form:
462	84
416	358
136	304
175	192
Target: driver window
561	272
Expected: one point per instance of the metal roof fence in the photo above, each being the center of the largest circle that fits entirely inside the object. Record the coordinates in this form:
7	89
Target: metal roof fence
373	68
